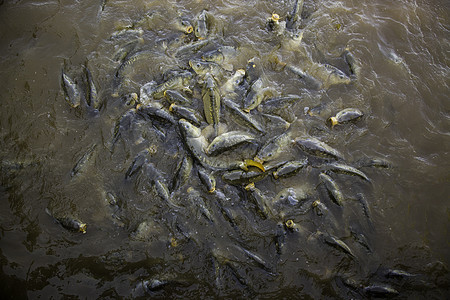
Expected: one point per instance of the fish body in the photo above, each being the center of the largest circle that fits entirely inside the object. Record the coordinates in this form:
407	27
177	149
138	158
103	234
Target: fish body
201	68
332	188
207	179
69	223
82	161
197	143
289	169
241	117
201	28
227	141
187	113
256	95
71	91
211	101
93	98
275	104
178	81
183	172
353	63
241	177
295	15
273	148
345	116
156	110
138	162
318	148
345	169
176	97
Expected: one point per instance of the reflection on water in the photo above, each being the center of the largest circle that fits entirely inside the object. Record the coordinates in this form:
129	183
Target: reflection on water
352	210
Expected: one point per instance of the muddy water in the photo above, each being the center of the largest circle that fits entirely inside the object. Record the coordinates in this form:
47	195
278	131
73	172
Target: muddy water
134	236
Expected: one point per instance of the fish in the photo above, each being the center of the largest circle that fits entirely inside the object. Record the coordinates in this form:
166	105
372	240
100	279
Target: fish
156	110
318	148
320	208
275	25
201	68
131	60
187	113
221	56
199	203
178	81
256	95
176	97
295	14
189	49
93	98
259	199
182	173
207	179
308	79
380	290
227	141
289	169
241	117
273	105
273	148
241	177
345	169
183	25
197	143
337	243
69	223
201	28
82	161
122	125
139	160
352	62
233	82
333	189
211	101
71	91
345	116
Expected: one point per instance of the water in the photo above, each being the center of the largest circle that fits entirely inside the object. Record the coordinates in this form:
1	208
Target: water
402	89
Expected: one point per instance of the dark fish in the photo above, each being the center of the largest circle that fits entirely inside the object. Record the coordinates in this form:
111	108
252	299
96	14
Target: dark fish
228	141
380	290
295	15
211	101
353	63
345	169
187	113
183	172
71	91
83	160
345	116
241	117
201	28
93	98
69	223
273	148
156	110
337	243
138	162
176	97
207	179
289	169
332	188
259	199
318	148
238	177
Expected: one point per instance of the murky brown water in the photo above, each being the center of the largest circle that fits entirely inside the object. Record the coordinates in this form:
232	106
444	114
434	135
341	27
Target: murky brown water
403	49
